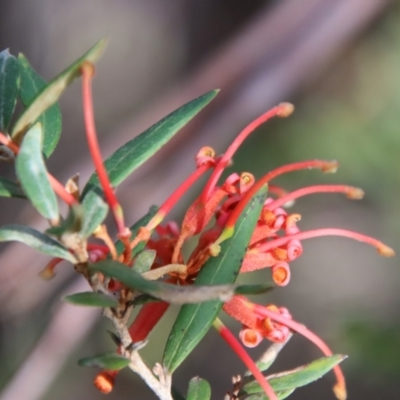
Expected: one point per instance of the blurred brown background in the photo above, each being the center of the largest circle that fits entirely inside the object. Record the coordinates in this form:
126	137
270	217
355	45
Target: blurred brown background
337	60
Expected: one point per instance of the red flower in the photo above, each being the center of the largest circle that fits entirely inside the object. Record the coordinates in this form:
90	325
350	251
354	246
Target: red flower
275	242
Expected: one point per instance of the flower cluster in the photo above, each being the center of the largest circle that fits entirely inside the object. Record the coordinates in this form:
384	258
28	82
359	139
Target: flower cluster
275	242
238	227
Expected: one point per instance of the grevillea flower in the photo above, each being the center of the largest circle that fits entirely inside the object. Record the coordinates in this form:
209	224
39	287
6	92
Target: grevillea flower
275	243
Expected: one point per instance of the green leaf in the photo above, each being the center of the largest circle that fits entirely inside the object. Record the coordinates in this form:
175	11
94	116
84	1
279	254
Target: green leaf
143	261
270	355
108	361
254	289
135	229
9	81
134	153
32	174
199	389
195	320
95	211
298	377
262	396
31	85
50	94
36	240
143	299
164	291
91	299
10	189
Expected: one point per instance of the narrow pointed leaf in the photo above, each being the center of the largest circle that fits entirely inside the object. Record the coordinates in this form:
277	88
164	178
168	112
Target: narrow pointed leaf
254	289
108	361
194	320
262	396
91	299
95	211
167	292
32	174
135	229
36	240
50	94
31	85
199	389
10	189
298	377
9	80
270	355
134	153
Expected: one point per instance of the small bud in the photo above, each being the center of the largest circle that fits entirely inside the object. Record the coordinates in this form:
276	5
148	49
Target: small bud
72	186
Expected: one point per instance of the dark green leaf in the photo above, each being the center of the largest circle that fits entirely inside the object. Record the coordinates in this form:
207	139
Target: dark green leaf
254	289
52	91
134	153
195	320
176	395
9	80
199	389
135	229
32	174
10	189
262	396
164	291
31	85
95	211
36	240
142	299
298	377
109	361
91	299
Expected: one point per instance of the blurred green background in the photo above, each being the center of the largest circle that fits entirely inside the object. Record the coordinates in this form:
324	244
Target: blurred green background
347	109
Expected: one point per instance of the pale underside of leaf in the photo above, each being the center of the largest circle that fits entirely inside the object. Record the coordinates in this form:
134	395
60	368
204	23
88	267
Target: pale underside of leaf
36	240
32	174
